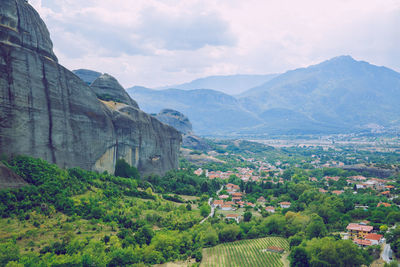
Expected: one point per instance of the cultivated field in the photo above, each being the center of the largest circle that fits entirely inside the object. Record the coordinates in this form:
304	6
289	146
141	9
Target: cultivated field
245	253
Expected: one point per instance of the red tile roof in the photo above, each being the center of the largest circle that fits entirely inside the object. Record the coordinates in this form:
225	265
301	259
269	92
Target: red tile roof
373	236
384	204
218	202
363	242
232	216
358	227
285	203
232	186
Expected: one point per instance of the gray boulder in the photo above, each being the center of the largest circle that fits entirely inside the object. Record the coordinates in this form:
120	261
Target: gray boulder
88	76
108	88
182	124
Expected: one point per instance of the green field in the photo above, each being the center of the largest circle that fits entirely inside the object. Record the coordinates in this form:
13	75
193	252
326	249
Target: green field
245	253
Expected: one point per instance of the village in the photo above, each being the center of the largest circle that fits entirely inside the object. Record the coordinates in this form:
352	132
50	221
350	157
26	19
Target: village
231	202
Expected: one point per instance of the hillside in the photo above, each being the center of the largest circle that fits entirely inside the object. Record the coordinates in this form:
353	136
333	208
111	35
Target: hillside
211	112
228	84
341	93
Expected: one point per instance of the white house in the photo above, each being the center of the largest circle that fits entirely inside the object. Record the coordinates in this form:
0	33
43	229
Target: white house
235	217
285	205
227	207
374	238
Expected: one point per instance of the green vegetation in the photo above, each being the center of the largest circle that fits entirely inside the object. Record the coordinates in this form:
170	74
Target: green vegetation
73	217
245	253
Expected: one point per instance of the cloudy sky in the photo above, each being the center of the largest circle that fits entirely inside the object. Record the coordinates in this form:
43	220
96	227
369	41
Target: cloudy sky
163	42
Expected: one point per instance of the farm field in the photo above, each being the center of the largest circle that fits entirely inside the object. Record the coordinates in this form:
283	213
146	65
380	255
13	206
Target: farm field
245	253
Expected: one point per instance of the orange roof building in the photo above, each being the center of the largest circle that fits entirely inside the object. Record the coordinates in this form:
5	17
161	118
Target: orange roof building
373	236
218	202
362	242
384	204
356	230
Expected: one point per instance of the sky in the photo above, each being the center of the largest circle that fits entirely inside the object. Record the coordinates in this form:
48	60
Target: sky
156	43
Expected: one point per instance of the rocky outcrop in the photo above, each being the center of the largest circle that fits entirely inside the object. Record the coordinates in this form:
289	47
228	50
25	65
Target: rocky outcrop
175	119
182	124
9	179
107	88
88	76
46	111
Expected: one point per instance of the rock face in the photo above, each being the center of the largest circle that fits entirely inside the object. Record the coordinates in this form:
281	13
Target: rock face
46	111
175	119
107	88
88	76
9	179
182	124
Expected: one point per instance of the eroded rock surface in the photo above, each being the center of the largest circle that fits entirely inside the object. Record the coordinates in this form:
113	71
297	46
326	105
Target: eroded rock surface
46	111
182	123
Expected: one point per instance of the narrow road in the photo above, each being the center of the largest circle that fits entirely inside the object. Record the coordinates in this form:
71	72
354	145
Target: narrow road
386	253
212	208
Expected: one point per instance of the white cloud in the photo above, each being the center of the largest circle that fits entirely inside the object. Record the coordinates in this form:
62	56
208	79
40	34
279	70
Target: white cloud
153	43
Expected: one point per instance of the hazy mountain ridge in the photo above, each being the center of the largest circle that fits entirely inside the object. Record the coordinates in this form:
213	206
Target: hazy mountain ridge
338	95
228	84
340	92
209	111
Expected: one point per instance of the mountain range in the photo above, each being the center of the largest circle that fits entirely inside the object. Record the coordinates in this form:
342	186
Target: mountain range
339	95
228	84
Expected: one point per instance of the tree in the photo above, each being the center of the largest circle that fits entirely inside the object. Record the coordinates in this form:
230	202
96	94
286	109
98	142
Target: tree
123	169
204	187
205	210
229	233
209	238
299	257
144	235
8	252
247	216
316	228
295	241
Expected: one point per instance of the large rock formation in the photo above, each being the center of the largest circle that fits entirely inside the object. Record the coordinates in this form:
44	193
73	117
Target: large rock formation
107	88
182	124
46	111
88	76
175	119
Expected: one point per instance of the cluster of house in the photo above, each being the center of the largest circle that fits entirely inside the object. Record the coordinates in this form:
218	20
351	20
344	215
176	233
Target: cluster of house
360	182
237	202
283	205
377	184
237	199
362	234
245	174
336	192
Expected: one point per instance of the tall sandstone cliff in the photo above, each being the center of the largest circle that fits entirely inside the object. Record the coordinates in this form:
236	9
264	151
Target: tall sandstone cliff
48	112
